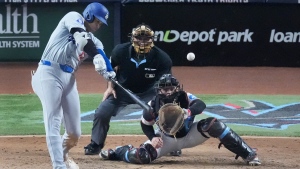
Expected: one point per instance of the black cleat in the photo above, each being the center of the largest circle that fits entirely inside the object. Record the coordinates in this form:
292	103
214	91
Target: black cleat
92	149
107	154
253	159
117	154
175	153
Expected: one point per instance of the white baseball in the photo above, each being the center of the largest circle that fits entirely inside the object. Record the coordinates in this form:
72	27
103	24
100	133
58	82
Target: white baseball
190	56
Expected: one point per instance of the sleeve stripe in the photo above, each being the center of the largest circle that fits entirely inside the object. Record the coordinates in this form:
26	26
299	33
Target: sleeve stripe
148	123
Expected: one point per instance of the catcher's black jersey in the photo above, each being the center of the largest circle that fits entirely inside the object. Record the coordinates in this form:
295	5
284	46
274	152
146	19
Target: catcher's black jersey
138	74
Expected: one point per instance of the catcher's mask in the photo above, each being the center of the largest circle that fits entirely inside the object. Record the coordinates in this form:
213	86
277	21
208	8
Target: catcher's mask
142	39
167	85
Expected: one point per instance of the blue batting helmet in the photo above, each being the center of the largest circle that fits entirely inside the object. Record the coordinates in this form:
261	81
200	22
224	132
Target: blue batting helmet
97	10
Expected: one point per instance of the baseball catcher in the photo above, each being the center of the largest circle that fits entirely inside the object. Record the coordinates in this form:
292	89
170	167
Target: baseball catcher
174	110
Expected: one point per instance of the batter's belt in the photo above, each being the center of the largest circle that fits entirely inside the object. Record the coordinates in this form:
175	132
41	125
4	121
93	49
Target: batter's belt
65	68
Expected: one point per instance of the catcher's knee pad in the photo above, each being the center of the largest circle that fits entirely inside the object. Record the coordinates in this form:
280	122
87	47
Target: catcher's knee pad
212	127
142	155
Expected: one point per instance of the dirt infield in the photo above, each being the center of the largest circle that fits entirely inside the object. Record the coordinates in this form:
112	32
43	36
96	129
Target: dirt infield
31	152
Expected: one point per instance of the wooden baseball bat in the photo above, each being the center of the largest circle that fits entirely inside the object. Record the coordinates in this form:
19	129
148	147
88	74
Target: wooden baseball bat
131	95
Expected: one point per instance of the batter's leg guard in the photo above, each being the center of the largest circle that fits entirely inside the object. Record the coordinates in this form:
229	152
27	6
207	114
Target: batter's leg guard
232	141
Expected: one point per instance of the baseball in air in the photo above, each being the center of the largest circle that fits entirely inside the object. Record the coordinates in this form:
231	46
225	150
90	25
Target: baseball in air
190	56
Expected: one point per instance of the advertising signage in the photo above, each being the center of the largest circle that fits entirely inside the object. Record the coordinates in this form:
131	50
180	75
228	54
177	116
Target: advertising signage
55	1
222	35
151	1
193	1
209	1
26	28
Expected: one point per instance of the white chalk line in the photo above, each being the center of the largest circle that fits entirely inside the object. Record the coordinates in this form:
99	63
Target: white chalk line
41	136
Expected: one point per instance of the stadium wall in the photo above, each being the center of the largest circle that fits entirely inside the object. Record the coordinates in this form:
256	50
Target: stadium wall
220	33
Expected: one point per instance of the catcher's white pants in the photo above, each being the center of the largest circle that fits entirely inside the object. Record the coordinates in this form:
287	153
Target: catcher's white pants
59	96
192	139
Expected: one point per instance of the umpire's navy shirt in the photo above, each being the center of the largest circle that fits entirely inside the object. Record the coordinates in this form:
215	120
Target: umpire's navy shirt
139	76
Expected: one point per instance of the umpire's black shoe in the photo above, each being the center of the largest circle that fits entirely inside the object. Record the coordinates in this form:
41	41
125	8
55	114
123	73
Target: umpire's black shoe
92	149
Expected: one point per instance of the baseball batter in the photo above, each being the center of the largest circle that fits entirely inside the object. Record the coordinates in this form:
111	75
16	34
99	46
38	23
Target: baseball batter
54	81
177	131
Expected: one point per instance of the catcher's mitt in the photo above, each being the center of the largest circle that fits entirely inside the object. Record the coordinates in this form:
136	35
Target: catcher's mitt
171	118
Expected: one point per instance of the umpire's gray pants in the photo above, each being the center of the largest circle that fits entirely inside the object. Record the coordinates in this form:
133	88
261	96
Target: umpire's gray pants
111	107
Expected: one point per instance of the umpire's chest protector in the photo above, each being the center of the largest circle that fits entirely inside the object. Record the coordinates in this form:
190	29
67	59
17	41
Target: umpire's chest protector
139	75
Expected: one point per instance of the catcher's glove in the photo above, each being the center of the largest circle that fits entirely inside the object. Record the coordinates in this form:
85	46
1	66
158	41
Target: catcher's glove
171	118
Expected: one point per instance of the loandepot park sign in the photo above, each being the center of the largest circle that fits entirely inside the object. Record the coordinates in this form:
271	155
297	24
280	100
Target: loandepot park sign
220	37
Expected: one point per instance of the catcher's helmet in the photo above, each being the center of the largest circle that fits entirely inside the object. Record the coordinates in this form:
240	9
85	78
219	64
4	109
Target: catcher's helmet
142	38
168	88
97	10
167	80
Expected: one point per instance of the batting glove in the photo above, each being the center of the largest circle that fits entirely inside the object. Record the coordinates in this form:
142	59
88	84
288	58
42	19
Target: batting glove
99	63
108	75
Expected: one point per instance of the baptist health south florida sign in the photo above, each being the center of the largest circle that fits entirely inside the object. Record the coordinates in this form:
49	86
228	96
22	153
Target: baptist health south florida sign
25	28
18	31
15	34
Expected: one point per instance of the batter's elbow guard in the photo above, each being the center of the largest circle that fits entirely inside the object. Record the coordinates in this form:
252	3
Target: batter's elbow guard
145	154
81	39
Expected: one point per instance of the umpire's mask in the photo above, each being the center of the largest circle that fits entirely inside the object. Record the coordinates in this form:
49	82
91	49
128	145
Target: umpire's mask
142	39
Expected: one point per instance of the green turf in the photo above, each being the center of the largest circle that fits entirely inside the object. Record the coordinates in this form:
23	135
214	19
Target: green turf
22	114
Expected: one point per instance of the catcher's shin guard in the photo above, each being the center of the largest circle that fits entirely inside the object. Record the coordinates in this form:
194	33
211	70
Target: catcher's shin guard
237	145
232	141
142	155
